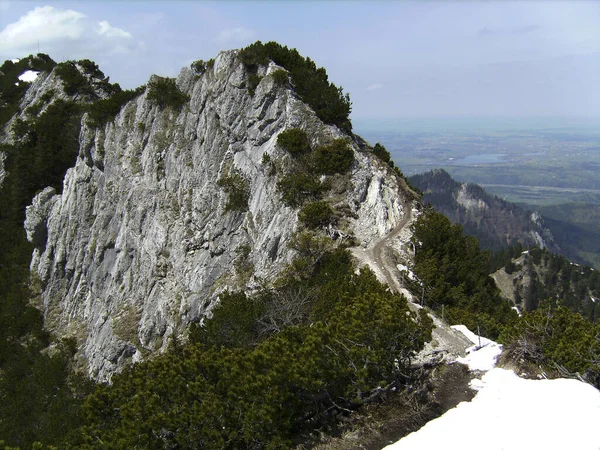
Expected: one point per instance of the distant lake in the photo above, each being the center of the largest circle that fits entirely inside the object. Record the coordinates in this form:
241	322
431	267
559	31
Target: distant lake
484	158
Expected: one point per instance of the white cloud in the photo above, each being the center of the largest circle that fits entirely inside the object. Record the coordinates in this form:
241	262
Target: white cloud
374	87
104	29
64	33
234	35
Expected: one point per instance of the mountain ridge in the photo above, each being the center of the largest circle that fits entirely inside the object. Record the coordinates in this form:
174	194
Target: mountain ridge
497	223
144	197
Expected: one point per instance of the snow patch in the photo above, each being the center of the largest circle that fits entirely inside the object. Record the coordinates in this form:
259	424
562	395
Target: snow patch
14	61
483	355
28	76
560	414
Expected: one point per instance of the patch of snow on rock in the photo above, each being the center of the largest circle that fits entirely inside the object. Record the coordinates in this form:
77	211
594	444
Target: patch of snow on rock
28	76
483	355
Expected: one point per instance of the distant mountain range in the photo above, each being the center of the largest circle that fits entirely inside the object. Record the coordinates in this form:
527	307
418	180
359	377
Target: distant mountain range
500	224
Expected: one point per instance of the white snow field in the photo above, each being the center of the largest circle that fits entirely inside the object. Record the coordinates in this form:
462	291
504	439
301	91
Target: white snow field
511	413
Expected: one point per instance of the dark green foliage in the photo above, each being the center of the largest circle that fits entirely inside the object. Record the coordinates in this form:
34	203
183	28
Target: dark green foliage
280	77
234	323
50	147
312	85
454	272
86	86
556	338
223	393
11	89
253	81
299	187
104	110
34	109
165	93
294	140
510	267
40	398
316	214
238	191
336	157
199	67
381	152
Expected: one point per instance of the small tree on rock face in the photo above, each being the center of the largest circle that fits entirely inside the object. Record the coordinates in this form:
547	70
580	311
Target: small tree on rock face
336	157
165	93
381	152
238	191
294	140
316	214
299	187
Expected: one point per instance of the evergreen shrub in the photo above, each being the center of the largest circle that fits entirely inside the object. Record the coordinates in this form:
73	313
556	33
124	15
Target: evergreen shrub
299	187
336	157
238	191
164	92
316	214
294	140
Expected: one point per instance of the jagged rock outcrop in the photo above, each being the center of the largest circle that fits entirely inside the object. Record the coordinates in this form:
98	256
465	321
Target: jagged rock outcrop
141	241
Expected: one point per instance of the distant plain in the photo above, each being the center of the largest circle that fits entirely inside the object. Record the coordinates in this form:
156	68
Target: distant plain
538	162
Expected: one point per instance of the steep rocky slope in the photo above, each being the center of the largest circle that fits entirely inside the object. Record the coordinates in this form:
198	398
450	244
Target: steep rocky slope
141	240
536	276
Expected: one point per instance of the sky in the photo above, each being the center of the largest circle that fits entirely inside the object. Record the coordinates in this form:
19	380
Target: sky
396	59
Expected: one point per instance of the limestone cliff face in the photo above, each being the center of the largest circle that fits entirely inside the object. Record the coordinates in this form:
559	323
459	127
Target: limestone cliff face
140	242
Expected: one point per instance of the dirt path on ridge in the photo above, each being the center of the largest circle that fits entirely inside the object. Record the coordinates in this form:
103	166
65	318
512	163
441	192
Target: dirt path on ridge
379	257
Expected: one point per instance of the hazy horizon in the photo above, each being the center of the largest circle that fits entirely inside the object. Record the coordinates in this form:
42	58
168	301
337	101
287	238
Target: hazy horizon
395	59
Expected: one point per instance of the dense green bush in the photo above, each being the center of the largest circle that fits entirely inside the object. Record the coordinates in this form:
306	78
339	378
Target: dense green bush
199	67
299	187
77	84
105	110
253	82
336	157
312	85
238	191
316	214
294	140
40	397
280	77
381	152
165	93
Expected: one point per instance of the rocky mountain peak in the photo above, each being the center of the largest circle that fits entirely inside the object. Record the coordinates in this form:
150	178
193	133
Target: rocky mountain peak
187	193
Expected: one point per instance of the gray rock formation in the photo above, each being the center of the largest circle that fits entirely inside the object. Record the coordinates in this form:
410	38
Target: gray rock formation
140	242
